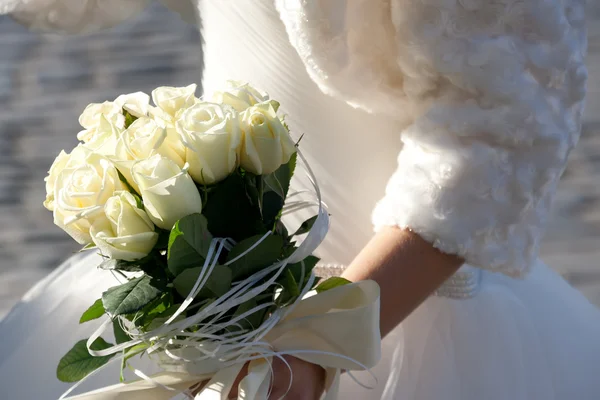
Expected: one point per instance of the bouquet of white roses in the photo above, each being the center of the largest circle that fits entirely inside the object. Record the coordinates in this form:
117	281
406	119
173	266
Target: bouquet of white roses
185	201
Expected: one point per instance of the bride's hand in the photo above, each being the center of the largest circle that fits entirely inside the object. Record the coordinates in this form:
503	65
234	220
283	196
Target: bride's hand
308	381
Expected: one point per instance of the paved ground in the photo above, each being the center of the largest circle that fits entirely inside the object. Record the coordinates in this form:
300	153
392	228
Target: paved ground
45	82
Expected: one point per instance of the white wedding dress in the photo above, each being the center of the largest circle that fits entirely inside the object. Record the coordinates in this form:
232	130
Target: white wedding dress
483	102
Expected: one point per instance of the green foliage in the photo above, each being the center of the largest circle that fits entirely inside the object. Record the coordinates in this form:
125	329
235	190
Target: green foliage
88	246
78	362
272	206
276	187
332	283
294	278
95	311
163	239
306	226
253	320
120	335
263	255
301	271
218	283
158	308
189	243
230	211
129	119
290	289
279	181
126	183
131	296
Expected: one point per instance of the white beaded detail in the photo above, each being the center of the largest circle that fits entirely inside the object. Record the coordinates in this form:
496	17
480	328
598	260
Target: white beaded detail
464	284
326	271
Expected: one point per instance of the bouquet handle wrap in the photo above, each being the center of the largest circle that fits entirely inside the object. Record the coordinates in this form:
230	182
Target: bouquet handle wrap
337	329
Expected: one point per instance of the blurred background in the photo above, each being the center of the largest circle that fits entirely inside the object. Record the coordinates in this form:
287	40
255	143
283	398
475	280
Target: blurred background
46	82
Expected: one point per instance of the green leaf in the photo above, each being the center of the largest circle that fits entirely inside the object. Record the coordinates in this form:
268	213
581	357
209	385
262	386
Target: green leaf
290	290
130	297
128	354
230	211
129	119
217	284
274	185
289	249
120	335
158	272
95	311
296	269
281	229
306	226
332	283
160	321
260	188
157	309
189	243
263	255
276	189
78	362
135	350
317	280
293	161
124	181
279	181
138	201
252	321
88	246
254	188
272	206
163	239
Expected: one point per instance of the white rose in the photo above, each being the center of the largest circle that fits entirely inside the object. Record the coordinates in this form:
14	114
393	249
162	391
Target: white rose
106	135
126	232
62	161
266	141
239	95
136	104
173	99
168	192
80	193
92	115
146	137
212	138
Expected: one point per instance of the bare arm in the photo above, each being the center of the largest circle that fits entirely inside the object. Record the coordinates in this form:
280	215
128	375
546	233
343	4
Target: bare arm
406	267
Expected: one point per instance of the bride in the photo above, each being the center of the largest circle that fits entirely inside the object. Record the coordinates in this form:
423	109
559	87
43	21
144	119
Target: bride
465	110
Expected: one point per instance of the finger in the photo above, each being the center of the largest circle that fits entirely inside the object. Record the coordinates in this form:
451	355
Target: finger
307	380
234	389
197	388
282	377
